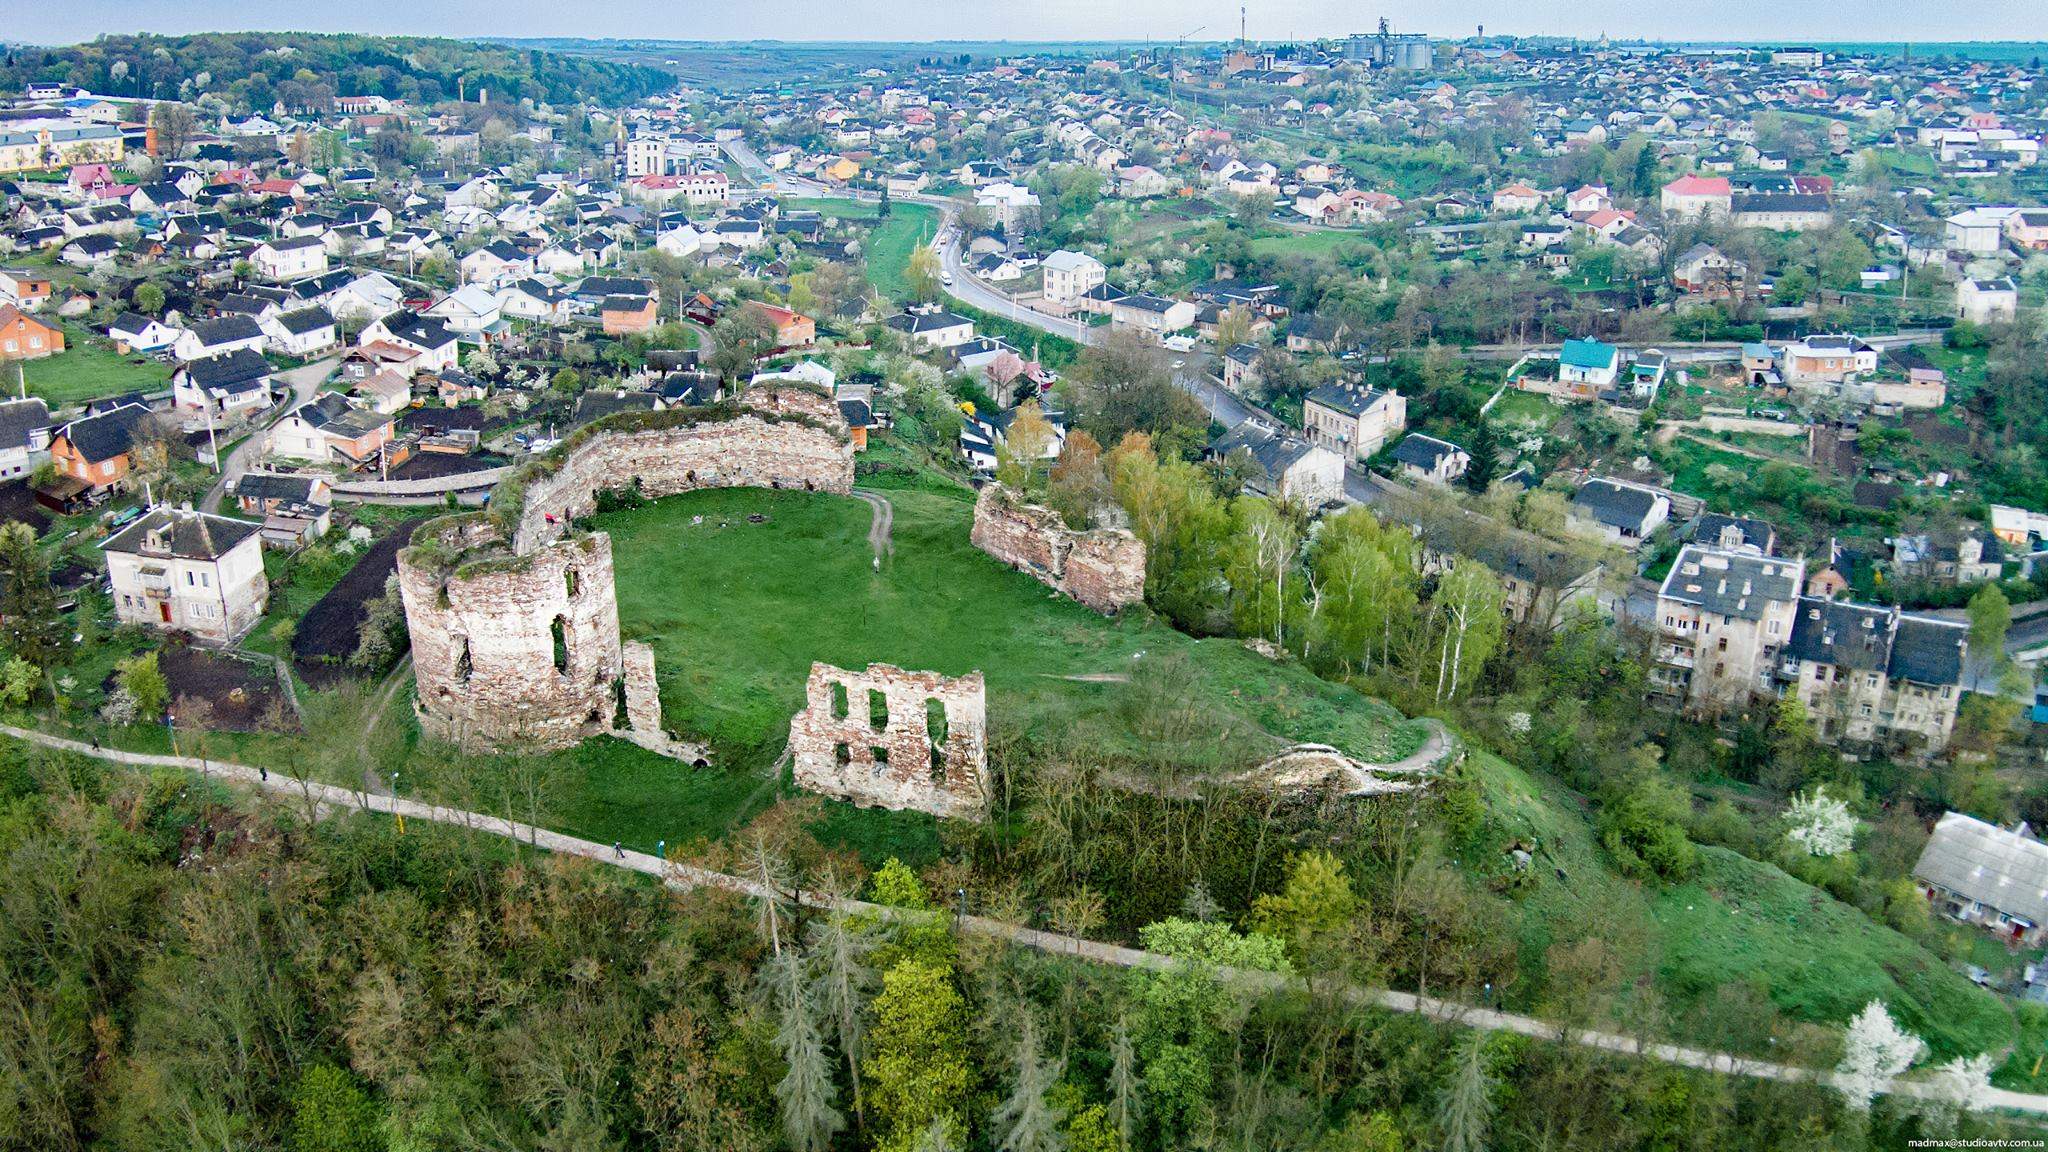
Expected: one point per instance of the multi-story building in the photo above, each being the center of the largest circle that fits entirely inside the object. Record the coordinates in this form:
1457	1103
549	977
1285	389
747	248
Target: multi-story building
1733	631
1828	359
1069	275
188	571
36	148
1722	619
1352	420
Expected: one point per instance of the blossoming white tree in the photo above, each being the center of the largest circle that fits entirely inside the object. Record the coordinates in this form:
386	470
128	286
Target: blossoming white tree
1876	1051
1957	1087
1821	824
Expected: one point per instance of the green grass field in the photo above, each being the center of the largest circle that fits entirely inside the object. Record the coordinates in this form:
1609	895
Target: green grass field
1737	922
88	369
738	611
889	243
1313	245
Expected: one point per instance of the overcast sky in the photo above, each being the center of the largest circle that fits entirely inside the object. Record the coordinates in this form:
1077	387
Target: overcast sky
66	21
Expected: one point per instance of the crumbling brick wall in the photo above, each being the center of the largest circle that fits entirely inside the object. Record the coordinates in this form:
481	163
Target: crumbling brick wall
1103	568
807	449
510	652
839	749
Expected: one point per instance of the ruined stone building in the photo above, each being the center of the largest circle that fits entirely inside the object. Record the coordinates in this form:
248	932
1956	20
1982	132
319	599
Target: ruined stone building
894	739
1103	568
514	615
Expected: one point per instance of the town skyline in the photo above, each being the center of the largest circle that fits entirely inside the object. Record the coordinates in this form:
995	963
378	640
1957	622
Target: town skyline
879	21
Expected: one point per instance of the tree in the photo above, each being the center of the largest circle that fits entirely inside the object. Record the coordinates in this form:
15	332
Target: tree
1122	385
19	680
1467	607
922	274
1466	1105
149	299
806	1094
174	126
1990	616
917	1065
840	947
139	677
1312	910
1261	558
1026	1120
1875	1051
1485	452
1820	824
566	381
1022	453
1125	1105
31	628
740	338
332	1113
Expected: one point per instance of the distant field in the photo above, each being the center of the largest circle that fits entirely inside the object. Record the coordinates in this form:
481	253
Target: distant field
87	370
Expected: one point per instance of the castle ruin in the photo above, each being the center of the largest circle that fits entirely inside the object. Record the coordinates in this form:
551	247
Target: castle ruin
1102	568
514	615
894	739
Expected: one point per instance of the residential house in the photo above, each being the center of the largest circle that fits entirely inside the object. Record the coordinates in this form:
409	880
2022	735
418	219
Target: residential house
1993	301
185	571
1874	677
1284	466
1352	420
304	333
1069	275
27	291
96	450
132	332
281	261
226	385
1982	874
1430	460
1617	512
930	328
1516	199
1722	618
793	329
1157	316
471	312
218	337
296	508
328	430
1704	270
1827	359
1587	368
426	336
23	337
24	436
1698	198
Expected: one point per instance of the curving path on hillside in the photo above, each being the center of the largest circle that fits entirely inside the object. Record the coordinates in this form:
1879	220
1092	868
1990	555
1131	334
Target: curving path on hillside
319	797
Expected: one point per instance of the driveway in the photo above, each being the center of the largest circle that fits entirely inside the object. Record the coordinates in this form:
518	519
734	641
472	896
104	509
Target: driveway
303	382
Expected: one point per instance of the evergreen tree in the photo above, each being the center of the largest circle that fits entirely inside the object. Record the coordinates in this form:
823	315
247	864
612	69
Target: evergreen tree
1466	1106
840	947
1124	1103
1485	452
30	626
1027	1121
806	1094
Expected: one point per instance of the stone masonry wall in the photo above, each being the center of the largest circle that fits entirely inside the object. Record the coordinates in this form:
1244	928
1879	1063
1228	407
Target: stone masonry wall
837	749
743	452
1103	568
491	673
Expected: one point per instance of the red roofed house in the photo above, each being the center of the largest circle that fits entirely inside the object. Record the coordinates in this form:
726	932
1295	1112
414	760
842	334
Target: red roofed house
1517	198
792	329
1698	197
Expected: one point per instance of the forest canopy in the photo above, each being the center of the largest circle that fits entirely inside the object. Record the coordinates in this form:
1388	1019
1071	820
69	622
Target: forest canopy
254	70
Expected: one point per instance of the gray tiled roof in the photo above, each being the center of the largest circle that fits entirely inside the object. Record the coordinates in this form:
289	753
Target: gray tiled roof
1738	586
1988	864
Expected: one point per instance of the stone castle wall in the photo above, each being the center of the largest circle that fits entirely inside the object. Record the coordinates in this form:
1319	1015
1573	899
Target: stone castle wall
482	606
511	652
839	751
1103	568
792	439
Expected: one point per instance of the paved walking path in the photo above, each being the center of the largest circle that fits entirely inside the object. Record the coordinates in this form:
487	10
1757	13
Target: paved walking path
685	876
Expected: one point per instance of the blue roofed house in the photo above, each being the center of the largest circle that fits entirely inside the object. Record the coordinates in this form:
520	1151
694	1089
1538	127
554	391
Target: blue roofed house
1586	368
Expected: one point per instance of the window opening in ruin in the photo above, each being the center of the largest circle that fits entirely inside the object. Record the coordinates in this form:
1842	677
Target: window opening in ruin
838	701
463	667
620	719
842	754
569	579
560	629
935	728
881	756
878	709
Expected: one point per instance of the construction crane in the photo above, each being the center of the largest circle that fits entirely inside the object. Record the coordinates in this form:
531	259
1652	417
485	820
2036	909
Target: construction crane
1173	65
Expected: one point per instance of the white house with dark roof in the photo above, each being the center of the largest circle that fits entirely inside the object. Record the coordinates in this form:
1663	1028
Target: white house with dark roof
289	259
180	570
1352	420
1430	460
25	429
1617	512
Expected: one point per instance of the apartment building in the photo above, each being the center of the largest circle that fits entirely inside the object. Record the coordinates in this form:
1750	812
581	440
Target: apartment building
1722	620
